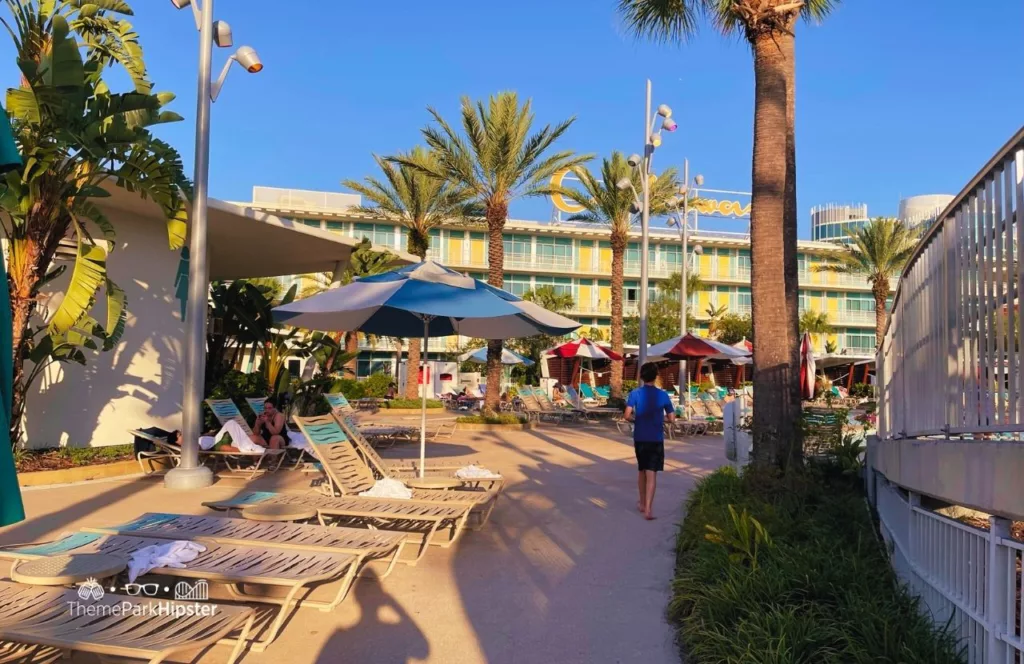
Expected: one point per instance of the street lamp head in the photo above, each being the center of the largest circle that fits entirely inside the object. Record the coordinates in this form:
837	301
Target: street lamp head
181	4
248	58
623	184
674	202
634	208
699	180
221	33
633	160
671	222
656	139
668	124
698	249
665	111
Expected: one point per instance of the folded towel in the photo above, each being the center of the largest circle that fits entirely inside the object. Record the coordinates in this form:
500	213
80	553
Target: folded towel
297	440
388	488
475	472
173	554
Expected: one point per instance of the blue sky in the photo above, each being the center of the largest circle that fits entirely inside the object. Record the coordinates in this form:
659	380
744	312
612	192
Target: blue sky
893	97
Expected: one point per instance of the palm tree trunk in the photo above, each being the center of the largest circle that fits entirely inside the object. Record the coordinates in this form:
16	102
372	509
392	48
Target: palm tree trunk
880	290
23	277
618	242
352	348
496	213
776	412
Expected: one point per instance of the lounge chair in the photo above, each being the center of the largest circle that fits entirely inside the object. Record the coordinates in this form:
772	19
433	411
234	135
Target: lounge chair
225	410
387	433
550	410
581	405
588	392
165	449
603	391
348	474
420	523
40	615
295	440
403	470
236	565
398	465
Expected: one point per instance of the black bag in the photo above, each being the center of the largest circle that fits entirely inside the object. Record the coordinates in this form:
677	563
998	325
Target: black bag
146	445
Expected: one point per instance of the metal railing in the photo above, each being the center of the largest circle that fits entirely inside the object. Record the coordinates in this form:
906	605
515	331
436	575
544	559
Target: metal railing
303	199
966	577
954	329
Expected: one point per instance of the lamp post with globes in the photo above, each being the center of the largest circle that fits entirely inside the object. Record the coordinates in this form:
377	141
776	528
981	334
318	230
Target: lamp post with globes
682	223
652	140
190	474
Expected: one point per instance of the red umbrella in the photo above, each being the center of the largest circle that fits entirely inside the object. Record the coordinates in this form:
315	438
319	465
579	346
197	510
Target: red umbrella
584	347
691	346
744	344
807	368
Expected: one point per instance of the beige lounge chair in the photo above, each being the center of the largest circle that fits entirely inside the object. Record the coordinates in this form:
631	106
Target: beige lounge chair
398	465
41	615
225	410
421	523
540	407
403	471
373	545
348	474
381	433
166	449
236	565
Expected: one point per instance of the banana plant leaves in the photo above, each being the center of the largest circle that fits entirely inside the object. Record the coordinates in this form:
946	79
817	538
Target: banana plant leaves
11	508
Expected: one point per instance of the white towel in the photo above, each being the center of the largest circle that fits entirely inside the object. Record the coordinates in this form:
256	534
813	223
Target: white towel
239	438
173	554
388	488
297	440
475	472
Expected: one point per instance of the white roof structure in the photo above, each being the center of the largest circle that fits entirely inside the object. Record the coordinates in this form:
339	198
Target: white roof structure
246	243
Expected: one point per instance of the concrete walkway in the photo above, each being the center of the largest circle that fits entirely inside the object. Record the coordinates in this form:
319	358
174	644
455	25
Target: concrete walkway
566	571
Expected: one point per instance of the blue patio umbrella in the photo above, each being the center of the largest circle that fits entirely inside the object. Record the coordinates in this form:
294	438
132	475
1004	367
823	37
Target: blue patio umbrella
424	298
11	508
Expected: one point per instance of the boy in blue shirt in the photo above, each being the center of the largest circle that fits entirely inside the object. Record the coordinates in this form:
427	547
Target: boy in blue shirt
647	407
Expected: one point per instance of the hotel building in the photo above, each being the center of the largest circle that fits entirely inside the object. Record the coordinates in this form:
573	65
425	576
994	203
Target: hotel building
575	257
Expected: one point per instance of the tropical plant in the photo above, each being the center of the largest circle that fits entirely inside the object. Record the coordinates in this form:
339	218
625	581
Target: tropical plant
77	139
815	323
714	313
239	318
878	251
769	28
662	323
831	346
364	261
742	537
734	328
671	285
498	160
418	201
604	202
532	347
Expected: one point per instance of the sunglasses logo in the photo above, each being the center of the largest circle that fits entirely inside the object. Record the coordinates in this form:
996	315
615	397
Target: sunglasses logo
147	589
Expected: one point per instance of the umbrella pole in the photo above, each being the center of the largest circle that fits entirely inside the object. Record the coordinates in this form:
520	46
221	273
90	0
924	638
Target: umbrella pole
423	398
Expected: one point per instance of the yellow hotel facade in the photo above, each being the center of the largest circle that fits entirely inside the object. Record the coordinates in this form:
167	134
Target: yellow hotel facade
575	257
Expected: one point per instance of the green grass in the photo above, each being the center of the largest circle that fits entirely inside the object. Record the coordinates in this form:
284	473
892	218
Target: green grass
504	418
816	588
413	403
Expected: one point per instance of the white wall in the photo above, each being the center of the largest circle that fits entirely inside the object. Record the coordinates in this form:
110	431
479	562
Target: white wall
137	384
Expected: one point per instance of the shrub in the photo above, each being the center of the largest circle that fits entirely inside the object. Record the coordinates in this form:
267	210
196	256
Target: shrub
376	384
351	388
786	567
413	403
503	418
862	391
628	386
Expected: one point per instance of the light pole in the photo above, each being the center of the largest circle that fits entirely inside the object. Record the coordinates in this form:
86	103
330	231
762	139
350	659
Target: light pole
683	224
190	474
652	140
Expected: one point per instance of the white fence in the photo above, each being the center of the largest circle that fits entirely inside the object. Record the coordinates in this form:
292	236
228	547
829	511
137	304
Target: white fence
951	413
967	578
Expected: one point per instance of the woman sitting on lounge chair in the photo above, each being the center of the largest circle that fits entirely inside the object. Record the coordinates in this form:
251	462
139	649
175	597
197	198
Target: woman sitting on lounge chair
271	427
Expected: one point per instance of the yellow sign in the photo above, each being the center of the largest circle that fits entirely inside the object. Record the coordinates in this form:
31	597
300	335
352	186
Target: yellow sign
723	208
558	200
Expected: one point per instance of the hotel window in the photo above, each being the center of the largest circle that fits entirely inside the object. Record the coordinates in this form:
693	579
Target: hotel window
336	226
518	284
743	300
743	261
518	246
672	257
859	302
860	341
315	223
378	234
562	285
557	251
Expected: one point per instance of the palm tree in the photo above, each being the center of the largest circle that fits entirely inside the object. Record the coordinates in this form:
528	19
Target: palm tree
418	201
815	322
715	314
768	26
671	285
364	261
498	160
605	203
878	251
76	136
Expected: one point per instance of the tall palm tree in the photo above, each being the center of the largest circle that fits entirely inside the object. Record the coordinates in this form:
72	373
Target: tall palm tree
498	160
418	201
671	285
605	203
815	322
878	251
768	26
715	313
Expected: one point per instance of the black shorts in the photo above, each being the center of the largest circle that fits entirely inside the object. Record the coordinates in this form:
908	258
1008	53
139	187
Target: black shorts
650	456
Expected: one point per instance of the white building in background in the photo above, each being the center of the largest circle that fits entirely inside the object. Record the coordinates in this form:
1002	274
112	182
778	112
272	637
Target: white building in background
835	222
922	210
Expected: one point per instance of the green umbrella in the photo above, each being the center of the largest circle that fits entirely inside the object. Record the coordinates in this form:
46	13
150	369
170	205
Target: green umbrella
11	509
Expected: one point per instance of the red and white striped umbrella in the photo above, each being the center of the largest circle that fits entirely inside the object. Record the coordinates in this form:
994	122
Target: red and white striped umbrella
584	347
690	346
807	368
